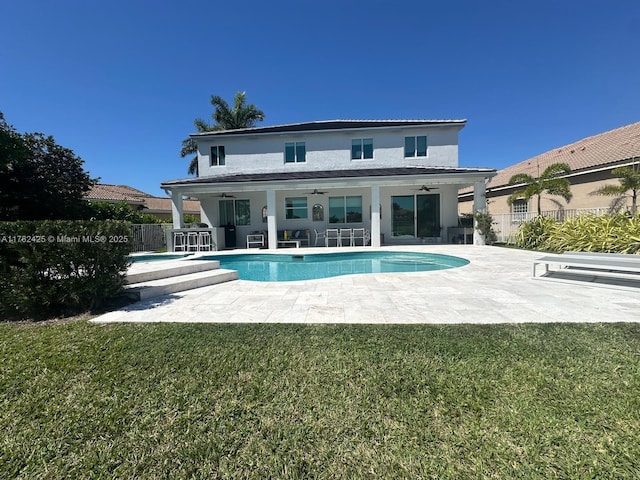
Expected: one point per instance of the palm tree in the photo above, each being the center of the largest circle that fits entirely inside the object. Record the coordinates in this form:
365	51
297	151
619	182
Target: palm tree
549	182
225	118
629	177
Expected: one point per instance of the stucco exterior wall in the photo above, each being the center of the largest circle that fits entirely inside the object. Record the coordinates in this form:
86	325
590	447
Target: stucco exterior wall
327	150
582	188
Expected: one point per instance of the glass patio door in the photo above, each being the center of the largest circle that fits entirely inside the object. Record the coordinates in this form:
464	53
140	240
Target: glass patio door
403	216
428	218
415	216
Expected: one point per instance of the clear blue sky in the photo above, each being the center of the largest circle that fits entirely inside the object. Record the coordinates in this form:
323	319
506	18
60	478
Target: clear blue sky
120	82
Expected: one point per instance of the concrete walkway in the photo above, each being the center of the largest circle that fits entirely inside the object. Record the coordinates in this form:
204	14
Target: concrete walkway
496	287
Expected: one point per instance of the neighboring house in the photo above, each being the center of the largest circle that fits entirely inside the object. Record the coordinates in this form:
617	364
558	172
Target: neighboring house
398	179
141	201
591	160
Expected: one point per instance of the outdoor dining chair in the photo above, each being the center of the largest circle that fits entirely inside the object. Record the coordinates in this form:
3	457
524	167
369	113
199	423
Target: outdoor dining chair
358	237
319	236
332	235
345	234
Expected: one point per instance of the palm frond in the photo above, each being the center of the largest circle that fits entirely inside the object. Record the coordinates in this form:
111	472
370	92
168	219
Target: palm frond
193	166
521	178
554	170
611	190
560	187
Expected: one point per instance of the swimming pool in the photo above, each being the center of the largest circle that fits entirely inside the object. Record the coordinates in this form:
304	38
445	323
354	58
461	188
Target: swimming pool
153	257
285	268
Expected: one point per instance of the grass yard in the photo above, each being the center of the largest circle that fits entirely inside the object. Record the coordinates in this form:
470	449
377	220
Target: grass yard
305	402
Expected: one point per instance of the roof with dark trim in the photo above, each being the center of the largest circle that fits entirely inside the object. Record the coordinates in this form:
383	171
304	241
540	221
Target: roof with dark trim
330	125
327	175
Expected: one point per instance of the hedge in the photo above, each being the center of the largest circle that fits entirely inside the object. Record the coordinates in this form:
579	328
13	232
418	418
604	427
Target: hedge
55	268
618	233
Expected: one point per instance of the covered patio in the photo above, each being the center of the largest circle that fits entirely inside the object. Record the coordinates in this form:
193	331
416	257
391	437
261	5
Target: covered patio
394	206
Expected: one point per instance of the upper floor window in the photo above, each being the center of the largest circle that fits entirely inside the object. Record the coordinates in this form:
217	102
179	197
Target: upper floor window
295	152
217	156
361	148
295	207
415	146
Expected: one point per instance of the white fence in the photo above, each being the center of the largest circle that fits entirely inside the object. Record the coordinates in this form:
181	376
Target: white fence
149	237
506	224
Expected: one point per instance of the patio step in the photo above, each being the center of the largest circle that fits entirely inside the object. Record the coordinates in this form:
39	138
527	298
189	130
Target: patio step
179	283
171	268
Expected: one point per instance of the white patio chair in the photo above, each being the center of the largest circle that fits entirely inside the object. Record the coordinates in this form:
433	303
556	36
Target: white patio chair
358	237
332	235
255	240
345	234
179	243
319	236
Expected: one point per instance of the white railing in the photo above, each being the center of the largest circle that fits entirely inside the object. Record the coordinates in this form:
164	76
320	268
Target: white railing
149	237
506	224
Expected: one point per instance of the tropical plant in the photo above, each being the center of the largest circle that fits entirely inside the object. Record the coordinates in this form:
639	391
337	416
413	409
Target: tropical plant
629	177
533	234
549	181
484	224
225	118
619	233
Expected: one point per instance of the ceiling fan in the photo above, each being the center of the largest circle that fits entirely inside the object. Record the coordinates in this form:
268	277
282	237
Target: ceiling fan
316	192
225	195
424	188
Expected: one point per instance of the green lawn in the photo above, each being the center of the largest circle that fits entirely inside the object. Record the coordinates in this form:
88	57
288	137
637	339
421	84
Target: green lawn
290	401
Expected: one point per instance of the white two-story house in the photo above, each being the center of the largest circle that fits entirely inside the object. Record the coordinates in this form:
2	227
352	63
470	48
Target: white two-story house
398	179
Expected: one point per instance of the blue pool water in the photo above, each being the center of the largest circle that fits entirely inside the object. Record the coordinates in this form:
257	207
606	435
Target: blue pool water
284	268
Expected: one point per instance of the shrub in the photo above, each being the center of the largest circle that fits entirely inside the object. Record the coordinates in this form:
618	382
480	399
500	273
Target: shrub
53	267
619	233
534	233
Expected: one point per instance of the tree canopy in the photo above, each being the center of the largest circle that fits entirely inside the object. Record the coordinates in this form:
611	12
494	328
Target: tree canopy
629	178
39	179
549	181
225	117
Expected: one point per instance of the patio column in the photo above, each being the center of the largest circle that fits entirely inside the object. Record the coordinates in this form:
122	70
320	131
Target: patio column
375	216
479	205
272	227
176	209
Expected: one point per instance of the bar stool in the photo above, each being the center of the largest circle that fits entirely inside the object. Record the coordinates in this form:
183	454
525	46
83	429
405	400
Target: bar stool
192	241
179	244
204	241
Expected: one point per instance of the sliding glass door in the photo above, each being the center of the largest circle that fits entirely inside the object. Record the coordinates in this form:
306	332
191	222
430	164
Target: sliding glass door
428	218
415	216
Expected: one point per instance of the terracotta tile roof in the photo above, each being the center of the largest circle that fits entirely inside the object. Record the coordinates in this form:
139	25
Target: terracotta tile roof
103	191
599	150
159	204
151	204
